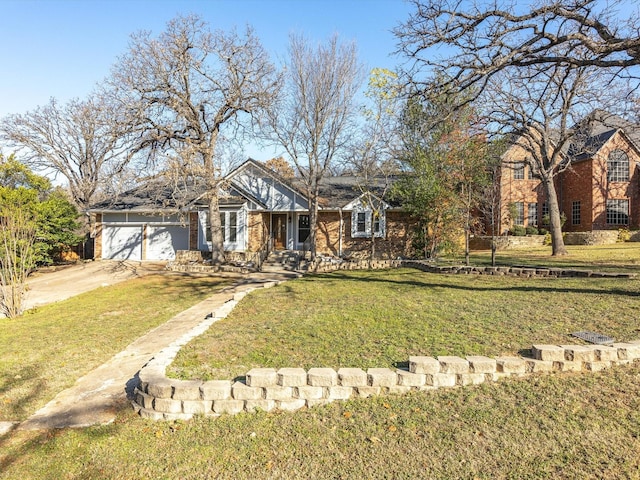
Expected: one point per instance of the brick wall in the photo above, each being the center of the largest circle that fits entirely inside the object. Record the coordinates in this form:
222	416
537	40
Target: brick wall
258	225
193	230
585	181
395	243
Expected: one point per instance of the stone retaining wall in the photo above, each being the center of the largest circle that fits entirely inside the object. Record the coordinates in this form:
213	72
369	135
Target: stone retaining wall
427	266
161	398
325	265
506	242
595	237
514	271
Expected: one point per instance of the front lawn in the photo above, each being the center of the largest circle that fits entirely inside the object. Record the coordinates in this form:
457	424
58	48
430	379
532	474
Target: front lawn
619	257
47	349
563	425
377	319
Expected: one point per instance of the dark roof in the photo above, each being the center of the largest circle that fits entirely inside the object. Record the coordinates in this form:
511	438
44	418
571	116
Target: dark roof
158	196
336	192
596	129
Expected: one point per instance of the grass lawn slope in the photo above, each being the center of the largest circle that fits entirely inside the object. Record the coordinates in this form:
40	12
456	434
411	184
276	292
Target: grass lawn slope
45	350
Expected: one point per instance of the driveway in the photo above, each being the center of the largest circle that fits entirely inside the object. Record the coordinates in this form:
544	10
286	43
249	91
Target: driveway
48	286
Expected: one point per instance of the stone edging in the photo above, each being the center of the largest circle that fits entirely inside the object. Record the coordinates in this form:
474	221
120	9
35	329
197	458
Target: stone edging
426	266
160	398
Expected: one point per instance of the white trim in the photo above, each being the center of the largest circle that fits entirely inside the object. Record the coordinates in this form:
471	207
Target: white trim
359	208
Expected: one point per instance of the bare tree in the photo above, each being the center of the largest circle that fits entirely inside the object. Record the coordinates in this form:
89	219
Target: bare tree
540	107
483	38
313	118
82	140
188	88
490	204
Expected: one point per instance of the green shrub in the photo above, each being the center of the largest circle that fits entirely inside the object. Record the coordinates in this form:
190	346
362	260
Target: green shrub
518	230
547	239
531	230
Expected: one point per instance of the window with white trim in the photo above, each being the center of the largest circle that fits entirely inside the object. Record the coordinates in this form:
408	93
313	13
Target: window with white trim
618	212
532	214
304	228
228	226
364	221
618	166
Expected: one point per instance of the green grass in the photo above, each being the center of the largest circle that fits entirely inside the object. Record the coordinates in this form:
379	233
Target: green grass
619	257
47	349
545	426
378	319
561	426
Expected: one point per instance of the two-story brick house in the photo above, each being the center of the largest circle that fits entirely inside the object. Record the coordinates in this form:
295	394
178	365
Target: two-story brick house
600	190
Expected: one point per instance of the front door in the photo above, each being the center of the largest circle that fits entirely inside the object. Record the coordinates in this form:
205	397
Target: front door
279	231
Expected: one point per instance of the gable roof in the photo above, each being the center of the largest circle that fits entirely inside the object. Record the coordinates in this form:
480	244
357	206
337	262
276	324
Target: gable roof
158	195
593	132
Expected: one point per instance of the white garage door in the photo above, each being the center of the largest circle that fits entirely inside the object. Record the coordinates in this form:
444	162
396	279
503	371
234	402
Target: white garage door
122	242
163	241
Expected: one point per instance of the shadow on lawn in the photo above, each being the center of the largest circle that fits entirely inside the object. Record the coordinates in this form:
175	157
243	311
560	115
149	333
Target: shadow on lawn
25	383
474	287
19	445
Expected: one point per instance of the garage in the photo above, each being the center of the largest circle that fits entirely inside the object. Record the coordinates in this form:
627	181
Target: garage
122	242
164	240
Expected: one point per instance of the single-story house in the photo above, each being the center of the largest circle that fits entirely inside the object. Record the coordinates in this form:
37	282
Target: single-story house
259	210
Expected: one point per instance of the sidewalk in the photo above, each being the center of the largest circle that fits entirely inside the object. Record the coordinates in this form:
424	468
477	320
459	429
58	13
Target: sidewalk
96	397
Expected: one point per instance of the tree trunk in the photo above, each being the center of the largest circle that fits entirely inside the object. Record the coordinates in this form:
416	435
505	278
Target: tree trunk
313	221
493	250
217	236
557	242
466	246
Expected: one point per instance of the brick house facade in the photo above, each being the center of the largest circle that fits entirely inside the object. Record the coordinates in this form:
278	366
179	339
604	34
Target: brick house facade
259	210
600	190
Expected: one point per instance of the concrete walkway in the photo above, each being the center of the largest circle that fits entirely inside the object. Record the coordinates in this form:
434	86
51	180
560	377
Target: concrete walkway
96	397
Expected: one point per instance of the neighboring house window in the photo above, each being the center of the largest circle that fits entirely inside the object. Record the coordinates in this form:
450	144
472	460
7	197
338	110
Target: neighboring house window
531	176
518	171
519	211
532	214
545	213
618	212
618	166
364	221
575	213
304	229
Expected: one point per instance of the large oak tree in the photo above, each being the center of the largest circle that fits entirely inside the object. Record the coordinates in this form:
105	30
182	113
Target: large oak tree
188	89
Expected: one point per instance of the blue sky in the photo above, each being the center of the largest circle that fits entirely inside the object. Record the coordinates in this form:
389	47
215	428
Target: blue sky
61	48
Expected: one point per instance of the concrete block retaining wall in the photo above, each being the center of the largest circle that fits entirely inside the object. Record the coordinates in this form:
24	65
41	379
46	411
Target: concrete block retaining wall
161	398
426	266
